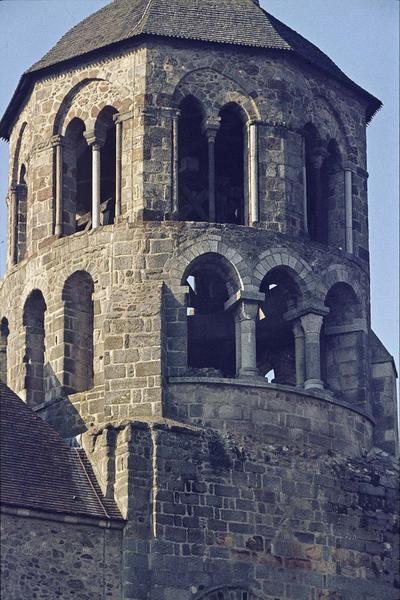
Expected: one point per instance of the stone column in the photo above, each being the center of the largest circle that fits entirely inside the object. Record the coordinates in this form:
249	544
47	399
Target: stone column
305	215
118	165
253	172
13	218
95	142
300	357
210	128
57	143
247	320
312	324
348	196
175	163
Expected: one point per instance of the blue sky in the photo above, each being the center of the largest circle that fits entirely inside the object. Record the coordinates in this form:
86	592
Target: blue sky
361	36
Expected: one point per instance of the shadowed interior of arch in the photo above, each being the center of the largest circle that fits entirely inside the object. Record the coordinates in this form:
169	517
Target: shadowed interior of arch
230	166
344	345
193	163
211	330
275	341
33	320
4	333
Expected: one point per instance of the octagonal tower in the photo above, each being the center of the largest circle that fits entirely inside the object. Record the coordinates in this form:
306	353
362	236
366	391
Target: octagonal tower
187	295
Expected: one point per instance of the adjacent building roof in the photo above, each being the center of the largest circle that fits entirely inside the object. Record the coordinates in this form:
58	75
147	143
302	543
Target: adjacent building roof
39	471
236	22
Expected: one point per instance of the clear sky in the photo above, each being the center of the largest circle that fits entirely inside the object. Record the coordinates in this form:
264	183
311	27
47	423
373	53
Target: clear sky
361	36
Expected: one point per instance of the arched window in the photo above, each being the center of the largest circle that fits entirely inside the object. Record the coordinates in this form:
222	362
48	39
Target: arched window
77	180
4	333
193	163
343	345
275	340
105	127
332	189
22	210
316	214
33	320
211	330
324	190
229	167
78	332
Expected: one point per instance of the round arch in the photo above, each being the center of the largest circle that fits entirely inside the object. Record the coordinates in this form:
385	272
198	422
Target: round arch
97	93
214	90
183	256
297	267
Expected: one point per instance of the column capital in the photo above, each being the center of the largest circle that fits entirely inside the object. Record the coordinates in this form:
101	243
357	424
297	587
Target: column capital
247	296
247	310
210	127
304	309
297	329
57	140
254	122
348	166
121	117
94	139
311	323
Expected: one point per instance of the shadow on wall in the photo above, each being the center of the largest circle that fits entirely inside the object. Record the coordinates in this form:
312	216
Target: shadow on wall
60	411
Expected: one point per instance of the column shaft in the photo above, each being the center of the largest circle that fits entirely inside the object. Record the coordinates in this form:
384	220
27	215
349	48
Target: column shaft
175	164
349	209
247	316
300	356
13	220
118	165
58	227
305	216
311	324
211	179
95	186
253	173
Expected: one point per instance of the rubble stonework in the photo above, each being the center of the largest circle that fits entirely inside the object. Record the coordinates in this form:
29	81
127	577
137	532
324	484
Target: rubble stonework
233	483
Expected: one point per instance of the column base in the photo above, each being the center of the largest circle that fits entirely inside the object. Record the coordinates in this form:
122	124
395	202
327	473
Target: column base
313	384
248	372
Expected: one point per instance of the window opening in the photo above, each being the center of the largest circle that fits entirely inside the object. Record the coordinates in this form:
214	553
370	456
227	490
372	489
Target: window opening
193	163
229	167
4	333
275	340
78	332
22	209
33	320
211	332
107	128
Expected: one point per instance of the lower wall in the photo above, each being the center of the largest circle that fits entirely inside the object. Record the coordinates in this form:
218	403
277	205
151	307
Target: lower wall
274	413
230	512
49	560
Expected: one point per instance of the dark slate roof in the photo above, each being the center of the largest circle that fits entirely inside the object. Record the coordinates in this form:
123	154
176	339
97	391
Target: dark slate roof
39	471
237	22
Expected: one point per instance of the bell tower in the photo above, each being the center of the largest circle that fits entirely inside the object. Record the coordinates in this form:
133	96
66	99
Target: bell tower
187	295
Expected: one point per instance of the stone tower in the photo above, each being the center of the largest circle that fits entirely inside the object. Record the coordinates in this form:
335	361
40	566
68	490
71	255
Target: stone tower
187	298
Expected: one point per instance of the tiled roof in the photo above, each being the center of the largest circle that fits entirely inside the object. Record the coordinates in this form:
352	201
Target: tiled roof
39	471
236	22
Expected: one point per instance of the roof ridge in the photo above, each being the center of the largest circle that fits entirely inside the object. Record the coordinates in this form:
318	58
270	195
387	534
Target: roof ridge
141	20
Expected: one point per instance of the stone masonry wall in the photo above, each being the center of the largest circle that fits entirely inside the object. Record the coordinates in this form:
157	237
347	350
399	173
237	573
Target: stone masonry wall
49	559
217	511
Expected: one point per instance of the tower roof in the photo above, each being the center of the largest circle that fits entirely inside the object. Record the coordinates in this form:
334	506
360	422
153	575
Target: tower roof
233	22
